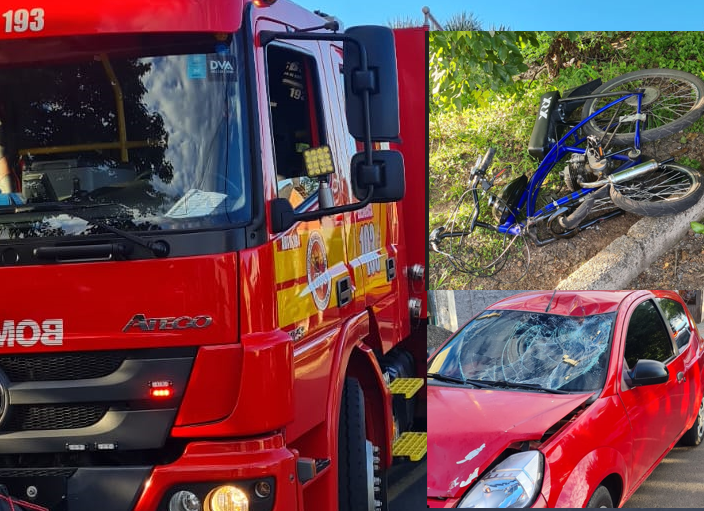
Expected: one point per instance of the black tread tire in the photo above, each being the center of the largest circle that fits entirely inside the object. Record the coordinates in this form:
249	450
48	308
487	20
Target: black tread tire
656	133
662	208
352	460
600	498
692	437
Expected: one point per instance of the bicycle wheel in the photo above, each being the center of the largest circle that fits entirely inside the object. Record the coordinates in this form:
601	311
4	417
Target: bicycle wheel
673	100
668	190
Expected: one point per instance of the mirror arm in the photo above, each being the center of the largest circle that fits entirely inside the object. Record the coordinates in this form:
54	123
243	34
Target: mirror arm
347	208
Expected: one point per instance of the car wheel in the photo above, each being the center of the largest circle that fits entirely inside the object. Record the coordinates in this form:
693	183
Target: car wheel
601	498
695	434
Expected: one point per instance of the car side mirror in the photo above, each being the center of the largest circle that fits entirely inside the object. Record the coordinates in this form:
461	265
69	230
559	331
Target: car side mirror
385	175
649	372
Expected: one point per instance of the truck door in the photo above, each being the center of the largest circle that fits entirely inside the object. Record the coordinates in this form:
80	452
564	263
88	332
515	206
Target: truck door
315	286
374	247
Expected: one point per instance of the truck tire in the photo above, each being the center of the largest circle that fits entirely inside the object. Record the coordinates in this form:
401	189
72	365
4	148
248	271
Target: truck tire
601	498
355	453
695	434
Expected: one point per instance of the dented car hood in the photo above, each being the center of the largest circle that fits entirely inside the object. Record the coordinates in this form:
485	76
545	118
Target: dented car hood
471	427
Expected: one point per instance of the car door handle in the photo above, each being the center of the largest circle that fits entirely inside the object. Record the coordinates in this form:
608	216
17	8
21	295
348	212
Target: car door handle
681	377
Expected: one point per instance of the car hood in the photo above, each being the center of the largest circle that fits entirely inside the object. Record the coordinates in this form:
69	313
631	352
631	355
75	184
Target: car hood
469	428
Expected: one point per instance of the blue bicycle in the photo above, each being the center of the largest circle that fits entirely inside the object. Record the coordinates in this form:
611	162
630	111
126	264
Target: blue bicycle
605	172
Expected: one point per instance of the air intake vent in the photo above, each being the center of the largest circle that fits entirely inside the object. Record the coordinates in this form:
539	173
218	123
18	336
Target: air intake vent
70	366
47	417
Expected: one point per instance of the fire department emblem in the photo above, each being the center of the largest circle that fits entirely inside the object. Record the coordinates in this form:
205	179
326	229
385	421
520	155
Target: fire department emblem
318	276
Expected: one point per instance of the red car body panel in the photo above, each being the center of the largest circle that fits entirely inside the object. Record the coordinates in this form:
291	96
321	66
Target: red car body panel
622	434
451	409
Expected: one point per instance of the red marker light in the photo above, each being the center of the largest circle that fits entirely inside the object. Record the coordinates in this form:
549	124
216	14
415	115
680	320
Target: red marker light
161	389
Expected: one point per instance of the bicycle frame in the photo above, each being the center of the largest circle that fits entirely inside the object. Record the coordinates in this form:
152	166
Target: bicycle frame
554	155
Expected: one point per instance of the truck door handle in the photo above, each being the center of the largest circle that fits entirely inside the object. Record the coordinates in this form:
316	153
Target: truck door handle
681	377
344	291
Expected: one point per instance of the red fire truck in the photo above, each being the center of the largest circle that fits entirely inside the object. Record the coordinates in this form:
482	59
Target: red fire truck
213	294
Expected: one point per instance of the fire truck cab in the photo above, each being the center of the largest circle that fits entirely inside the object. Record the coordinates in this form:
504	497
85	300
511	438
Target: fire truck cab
214	286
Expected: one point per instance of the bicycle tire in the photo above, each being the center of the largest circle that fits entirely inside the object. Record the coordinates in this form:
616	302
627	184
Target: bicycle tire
626	195
640	78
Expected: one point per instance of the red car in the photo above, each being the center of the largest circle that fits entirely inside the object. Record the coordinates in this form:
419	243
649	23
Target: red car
562	399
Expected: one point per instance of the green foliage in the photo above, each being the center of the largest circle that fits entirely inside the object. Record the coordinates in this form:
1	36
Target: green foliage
404	22
672	50
465	67
689	162
697	227
468	114
462	21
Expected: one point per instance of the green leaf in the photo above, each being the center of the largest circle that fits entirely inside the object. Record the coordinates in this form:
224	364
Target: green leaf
697	227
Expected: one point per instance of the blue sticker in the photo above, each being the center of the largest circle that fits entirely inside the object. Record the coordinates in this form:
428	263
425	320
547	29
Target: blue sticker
197	66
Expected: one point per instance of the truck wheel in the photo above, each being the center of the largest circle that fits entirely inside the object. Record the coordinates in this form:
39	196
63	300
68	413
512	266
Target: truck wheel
356	474
601	498
695	434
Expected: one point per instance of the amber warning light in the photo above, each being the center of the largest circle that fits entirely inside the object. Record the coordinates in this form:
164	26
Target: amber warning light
162	389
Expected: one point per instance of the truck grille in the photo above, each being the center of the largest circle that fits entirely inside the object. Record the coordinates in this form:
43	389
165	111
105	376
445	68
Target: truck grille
89	399
47	417
36	472
61	367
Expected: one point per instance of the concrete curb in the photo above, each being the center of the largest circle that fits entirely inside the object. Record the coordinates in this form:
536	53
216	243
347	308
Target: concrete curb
629	255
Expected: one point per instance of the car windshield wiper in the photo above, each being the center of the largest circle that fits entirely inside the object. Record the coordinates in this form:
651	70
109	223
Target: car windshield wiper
159	248
516	385
454	379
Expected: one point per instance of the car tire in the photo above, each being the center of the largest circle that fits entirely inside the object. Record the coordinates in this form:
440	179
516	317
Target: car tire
695	434
601	498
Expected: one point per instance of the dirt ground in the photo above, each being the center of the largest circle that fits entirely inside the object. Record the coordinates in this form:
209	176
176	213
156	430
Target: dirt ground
552	263
682	267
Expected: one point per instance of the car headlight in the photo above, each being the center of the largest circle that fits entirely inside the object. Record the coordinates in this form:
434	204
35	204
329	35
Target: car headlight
515	482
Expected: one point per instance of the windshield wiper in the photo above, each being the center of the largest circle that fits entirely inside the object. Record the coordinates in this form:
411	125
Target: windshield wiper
454	379
516	385
159	248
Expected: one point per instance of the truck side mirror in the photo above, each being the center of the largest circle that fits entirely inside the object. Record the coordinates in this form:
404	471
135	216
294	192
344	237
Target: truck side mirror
385	175
380	80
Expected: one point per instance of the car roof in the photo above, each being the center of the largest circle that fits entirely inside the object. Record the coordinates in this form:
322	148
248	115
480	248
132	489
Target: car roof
565	303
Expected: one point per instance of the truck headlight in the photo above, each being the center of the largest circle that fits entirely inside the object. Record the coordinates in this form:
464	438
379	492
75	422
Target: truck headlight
515	482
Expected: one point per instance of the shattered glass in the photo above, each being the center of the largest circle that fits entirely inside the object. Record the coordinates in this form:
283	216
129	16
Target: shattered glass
558	352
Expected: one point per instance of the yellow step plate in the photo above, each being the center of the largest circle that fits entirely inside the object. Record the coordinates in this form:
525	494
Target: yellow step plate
411	444
406	386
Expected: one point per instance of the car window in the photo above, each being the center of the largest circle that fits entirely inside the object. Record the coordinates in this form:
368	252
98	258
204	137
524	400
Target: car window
647	336
677	317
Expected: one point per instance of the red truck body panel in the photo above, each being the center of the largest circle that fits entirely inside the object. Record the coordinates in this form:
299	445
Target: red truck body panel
270	361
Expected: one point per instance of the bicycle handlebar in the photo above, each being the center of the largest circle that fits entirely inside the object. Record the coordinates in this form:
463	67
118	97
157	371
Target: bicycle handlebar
488	157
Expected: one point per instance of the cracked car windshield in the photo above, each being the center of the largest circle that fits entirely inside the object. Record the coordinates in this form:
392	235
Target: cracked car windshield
138	142
557	352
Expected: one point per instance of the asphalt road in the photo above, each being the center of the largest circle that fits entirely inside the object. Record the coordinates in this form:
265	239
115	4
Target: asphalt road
677	482
407	486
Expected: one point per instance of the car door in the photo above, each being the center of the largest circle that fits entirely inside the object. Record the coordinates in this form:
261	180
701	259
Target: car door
656	412
685	338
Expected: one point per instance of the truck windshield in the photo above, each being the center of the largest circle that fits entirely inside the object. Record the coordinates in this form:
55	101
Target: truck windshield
146	136
554	352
